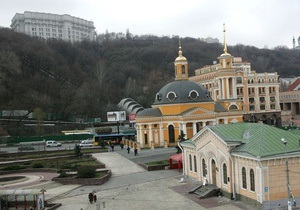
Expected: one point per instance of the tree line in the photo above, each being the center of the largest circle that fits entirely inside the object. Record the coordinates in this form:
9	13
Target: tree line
89	78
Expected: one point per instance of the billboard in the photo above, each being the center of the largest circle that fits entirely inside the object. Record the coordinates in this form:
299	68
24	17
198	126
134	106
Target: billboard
116	116
132	118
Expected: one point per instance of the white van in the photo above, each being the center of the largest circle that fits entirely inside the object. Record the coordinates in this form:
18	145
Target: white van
87	143
53	144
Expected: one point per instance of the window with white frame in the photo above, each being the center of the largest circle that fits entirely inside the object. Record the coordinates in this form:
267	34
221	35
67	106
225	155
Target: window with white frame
191	164
225	173
244	180
195	163
252	180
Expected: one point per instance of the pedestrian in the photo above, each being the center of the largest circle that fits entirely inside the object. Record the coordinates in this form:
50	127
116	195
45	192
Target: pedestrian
91	197
112	147
135	151
128	149
121	145
95	197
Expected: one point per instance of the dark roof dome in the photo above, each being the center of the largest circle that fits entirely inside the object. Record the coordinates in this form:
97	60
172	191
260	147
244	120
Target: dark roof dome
153	112
182	91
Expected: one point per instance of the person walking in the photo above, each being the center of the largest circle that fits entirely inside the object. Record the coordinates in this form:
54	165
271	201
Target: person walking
112	147
91	197
135	151
128	149
95	198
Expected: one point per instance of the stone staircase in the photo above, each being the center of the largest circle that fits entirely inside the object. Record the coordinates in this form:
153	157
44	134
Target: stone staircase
204	191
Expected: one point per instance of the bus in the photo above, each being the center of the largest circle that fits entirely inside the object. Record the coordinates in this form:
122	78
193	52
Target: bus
115	138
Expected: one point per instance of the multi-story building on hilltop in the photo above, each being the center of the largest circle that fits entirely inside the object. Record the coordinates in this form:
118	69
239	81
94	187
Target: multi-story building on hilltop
232	78
290	103
52	26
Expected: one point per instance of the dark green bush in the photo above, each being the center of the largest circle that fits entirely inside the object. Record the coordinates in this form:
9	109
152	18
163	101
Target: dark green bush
86	172
13	167
62	174
37	165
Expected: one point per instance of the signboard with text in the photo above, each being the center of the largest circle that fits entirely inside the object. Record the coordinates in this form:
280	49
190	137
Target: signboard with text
116	116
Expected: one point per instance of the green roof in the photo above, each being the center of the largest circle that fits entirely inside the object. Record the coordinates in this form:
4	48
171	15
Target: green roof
188	143
256	139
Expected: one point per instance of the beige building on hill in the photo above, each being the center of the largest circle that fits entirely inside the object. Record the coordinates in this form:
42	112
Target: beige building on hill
290	103
232	78
52	26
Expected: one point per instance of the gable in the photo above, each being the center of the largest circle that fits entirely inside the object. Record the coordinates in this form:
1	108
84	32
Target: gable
198	111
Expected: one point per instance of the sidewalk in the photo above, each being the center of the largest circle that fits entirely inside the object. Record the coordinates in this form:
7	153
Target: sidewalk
131	187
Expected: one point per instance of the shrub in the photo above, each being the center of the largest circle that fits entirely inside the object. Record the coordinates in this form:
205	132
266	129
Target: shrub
77	151
62	174
13	167
86	172
37	165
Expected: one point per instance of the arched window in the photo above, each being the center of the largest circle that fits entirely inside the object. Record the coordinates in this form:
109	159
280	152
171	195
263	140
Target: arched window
252	180
244	181
191	164
203	167
224	173
195	163
183	69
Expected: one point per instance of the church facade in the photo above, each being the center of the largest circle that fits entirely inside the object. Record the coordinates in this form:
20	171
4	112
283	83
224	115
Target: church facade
183	105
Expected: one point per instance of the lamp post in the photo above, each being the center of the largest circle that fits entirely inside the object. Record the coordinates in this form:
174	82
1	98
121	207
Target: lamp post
289	203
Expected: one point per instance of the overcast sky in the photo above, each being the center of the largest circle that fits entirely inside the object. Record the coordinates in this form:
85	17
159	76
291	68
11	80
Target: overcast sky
260	23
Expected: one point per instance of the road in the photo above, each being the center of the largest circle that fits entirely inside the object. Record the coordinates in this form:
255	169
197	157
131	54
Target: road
38	147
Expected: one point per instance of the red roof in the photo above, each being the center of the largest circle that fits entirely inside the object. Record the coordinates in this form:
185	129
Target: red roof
177	157
295	85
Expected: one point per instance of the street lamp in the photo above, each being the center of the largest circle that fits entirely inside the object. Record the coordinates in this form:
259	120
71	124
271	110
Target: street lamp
289	204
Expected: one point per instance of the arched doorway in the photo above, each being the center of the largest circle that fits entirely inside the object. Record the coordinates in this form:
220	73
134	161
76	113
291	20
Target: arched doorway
213	172
171	134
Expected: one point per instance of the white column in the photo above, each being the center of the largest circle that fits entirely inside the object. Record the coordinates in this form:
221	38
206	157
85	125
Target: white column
140	134
267	98
226	121
223	89
203	124
227	93
150	133
256	99
277	105
220	90
161	135
234	88
184	128
194	128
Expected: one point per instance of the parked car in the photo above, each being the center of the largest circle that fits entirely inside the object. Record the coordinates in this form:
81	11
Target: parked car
53	144
24	147
87	143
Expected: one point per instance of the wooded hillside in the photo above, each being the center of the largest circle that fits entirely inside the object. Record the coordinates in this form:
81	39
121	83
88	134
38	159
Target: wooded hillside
88	79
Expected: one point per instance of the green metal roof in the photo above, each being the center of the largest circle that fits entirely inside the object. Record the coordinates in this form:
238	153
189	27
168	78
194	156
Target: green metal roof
188	143
256	139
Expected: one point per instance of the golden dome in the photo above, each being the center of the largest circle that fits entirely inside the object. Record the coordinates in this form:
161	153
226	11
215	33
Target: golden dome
180	57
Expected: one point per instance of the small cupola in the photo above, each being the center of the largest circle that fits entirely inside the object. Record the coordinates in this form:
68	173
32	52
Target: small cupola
225	59
181	66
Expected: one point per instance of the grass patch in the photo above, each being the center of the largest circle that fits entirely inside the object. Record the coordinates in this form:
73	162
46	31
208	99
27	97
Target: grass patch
45	154
160	162
55	164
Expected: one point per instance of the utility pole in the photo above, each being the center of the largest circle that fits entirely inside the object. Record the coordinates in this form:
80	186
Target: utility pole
289	203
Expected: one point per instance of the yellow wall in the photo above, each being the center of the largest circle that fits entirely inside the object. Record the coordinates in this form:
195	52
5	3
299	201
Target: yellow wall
278	181
179	108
